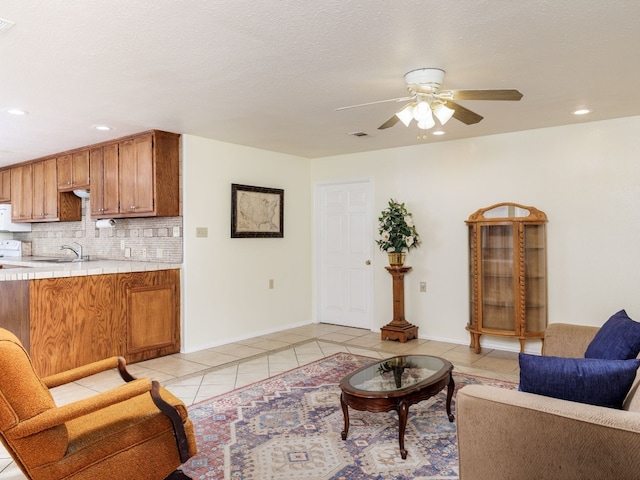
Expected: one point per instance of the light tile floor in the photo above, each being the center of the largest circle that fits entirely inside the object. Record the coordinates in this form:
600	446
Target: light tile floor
197	376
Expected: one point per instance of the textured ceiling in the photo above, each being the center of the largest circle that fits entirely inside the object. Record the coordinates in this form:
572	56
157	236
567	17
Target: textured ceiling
270	74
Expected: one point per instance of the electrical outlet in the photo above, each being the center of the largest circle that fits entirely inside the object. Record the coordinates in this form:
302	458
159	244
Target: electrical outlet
423	286
271	284
127	252
144	252
202	232
176	231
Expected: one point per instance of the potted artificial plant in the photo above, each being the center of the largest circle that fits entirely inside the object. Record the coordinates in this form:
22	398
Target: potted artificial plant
397	232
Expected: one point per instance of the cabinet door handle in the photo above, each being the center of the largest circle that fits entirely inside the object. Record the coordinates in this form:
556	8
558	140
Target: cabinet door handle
368	262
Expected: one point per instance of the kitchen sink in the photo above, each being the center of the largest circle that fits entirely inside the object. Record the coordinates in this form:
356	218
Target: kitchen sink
62	260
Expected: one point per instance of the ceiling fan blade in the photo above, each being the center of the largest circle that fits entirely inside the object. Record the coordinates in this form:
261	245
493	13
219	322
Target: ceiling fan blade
389	123
401	99
400	115
462	114
510	94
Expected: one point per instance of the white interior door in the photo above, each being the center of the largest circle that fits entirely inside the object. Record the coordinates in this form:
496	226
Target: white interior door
345	243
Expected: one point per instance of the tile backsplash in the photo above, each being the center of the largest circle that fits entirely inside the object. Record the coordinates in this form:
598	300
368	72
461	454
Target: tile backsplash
156	239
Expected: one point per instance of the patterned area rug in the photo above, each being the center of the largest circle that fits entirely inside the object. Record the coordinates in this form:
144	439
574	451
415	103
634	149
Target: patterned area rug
287	427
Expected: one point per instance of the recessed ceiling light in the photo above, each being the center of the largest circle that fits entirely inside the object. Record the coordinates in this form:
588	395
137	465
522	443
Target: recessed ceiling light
438	132
17	111
102	127
581	111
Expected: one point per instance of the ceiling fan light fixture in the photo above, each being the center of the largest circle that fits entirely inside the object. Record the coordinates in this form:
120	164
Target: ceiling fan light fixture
443	113
422	112
406	114
426	124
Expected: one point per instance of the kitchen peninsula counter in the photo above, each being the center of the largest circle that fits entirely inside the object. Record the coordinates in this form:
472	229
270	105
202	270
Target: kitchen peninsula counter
70	314
31	268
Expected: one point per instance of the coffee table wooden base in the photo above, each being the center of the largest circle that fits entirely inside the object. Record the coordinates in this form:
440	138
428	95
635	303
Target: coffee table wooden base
400	404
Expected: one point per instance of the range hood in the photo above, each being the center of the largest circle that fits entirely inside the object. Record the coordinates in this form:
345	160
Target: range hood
81	193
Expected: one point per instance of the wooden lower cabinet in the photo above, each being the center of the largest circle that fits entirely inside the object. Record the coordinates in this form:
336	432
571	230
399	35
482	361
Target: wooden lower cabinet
150	312
14	309
73	321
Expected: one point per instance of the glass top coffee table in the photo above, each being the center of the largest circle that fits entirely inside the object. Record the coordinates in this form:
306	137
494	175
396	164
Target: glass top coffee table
395	384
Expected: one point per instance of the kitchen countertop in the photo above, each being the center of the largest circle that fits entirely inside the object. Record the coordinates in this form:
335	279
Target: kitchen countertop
33	268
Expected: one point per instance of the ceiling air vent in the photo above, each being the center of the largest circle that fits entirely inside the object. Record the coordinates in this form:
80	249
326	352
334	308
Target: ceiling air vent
5	25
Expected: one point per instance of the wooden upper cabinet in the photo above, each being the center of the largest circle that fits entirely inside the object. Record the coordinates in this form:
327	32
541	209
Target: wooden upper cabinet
104	181
22	188
36	197
147	175
136	176
5	186
73	171
45	191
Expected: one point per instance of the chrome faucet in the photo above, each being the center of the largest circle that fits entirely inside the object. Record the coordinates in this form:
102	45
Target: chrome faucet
77	251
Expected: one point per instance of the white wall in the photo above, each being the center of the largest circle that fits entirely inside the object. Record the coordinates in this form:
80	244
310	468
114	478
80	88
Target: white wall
585	177
225	281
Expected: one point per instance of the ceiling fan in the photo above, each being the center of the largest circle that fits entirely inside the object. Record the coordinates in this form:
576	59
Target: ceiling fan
427	100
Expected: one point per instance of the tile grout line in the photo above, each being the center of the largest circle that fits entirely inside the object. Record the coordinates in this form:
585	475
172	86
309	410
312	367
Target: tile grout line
214	368
317	340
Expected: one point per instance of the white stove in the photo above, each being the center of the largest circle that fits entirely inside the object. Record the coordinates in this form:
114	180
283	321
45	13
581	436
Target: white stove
10	248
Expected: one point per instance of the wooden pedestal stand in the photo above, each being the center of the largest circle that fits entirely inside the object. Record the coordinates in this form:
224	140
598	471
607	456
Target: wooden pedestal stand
399	328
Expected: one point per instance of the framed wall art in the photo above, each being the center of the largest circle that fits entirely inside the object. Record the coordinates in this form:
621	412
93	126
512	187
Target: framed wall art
256	212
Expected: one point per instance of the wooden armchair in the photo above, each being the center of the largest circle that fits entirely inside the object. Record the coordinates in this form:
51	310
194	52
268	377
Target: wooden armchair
138	430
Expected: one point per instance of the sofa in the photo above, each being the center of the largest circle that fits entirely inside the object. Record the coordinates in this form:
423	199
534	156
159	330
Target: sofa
508	434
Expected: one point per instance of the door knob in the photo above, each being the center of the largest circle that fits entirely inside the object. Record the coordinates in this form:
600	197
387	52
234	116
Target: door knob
368	262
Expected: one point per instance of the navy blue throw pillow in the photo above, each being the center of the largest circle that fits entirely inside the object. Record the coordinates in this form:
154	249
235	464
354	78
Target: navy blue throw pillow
617	339
585	380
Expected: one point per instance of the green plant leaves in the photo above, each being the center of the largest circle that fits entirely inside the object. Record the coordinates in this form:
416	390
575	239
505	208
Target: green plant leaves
396	229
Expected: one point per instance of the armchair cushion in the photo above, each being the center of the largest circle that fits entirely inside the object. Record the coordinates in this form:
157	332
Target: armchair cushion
617	339
585	380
